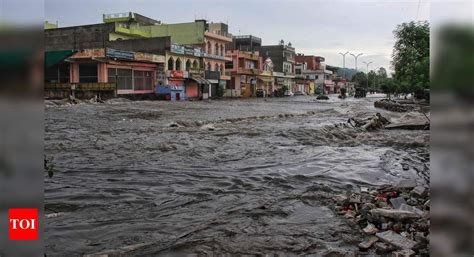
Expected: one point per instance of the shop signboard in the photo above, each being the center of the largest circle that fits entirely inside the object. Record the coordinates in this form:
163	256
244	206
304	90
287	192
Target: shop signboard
177	49
119	54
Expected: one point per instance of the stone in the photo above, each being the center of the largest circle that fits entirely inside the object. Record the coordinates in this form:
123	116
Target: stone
406	207
364	189
370	229
403	253
209	127
368	243
419	190
396	202
396	240
172	125
394	214
412	201
382	248
406	184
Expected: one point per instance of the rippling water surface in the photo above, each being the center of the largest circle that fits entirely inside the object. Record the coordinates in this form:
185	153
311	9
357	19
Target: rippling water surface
231	177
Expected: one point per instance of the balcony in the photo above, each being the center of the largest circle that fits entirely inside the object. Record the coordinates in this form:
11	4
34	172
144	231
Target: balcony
248	71
249	56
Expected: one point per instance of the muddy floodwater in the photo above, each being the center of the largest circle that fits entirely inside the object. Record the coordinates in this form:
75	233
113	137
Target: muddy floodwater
220	177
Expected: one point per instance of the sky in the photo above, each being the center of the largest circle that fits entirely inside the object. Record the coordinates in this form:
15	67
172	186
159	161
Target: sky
323	28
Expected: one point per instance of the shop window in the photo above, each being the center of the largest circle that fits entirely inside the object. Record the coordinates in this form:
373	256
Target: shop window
57	74
178	64
138	80
170	63
124	79
88	73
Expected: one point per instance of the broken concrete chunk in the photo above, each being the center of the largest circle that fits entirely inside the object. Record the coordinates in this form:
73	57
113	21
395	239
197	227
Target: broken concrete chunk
394	214
406	184
396	202
406	207
368	243
396	240
382	248
403	253
370	229
419	190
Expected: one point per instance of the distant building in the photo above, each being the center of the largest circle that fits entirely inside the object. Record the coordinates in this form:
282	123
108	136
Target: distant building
283	59
244	69
312	75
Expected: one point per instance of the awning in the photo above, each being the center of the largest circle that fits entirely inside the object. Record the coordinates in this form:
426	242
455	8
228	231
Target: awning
265	79
213	81
52	58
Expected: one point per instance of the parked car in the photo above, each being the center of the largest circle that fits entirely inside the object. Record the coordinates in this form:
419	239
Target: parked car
288	93
299	93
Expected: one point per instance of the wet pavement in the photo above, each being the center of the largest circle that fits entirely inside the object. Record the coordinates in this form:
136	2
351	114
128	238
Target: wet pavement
222	177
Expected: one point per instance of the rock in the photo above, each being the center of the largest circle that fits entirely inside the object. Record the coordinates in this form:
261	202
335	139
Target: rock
418	191
427	204
173	125
382	204
412	201
382	248
406	184
406	207
420	237
370	229
394	214
396	240
396	202
322	97
403	253
364	189
354	198
368	243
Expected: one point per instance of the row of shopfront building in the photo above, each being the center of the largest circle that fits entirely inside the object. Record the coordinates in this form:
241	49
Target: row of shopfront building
132	55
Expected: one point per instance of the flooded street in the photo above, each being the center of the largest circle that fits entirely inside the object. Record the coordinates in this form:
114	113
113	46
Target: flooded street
248	176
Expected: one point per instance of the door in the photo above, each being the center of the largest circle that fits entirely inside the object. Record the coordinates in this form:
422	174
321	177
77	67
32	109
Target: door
178	96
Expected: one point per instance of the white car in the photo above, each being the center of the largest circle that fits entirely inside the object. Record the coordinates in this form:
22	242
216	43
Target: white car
288	93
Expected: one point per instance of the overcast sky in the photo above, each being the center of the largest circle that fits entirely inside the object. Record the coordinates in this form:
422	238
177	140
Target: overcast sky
322	28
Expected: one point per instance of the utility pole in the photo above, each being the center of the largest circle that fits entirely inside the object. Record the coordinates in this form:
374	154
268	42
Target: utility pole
367	63
343	63
355	57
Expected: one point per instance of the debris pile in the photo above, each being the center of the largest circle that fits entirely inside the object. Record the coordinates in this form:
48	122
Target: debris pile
395	219
322	97
393	106
371	123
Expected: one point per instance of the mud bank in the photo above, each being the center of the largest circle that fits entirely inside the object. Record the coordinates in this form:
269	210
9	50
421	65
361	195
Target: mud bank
232	177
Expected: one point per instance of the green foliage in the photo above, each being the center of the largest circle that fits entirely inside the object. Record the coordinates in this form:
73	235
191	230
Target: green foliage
281	91
411	56
360	79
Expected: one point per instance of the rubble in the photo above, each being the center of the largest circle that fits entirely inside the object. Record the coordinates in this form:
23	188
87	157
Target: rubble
396	240
393	106
397	215
322	97
368	243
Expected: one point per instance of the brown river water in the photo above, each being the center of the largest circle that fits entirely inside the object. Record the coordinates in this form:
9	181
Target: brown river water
228	177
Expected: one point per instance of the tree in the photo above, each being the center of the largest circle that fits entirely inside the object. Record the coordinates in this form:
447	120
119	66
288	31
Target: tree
389	87
360	79
411	56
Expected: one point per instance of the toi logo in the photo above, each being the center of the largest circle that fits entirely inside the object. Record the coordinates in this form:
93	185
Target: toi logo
23	224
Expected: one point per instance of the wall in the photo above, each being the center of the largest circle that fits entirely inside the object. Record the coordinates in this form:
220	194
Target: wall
182	33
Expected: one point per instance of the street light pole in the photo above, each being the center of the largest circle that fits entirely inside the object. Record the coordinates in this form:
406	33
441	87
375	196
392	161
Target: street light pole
367	63
344	62
355	57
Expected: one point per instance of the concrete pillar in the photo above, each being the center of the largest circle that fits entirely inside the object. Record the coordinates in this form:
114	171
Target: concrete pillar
74	73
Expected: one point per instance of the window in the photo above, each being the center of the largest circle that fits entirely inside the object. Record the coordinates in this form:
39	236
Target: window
178	64
216	49
195	64
222	50
209	47
142	80
209	66
170	63
229	65
222	69
216	67
88	73
57	74
188	65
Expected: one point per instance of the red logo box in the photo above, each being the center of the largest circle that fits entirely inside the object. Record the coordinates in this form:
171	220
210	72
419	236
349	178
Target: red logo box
23	224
